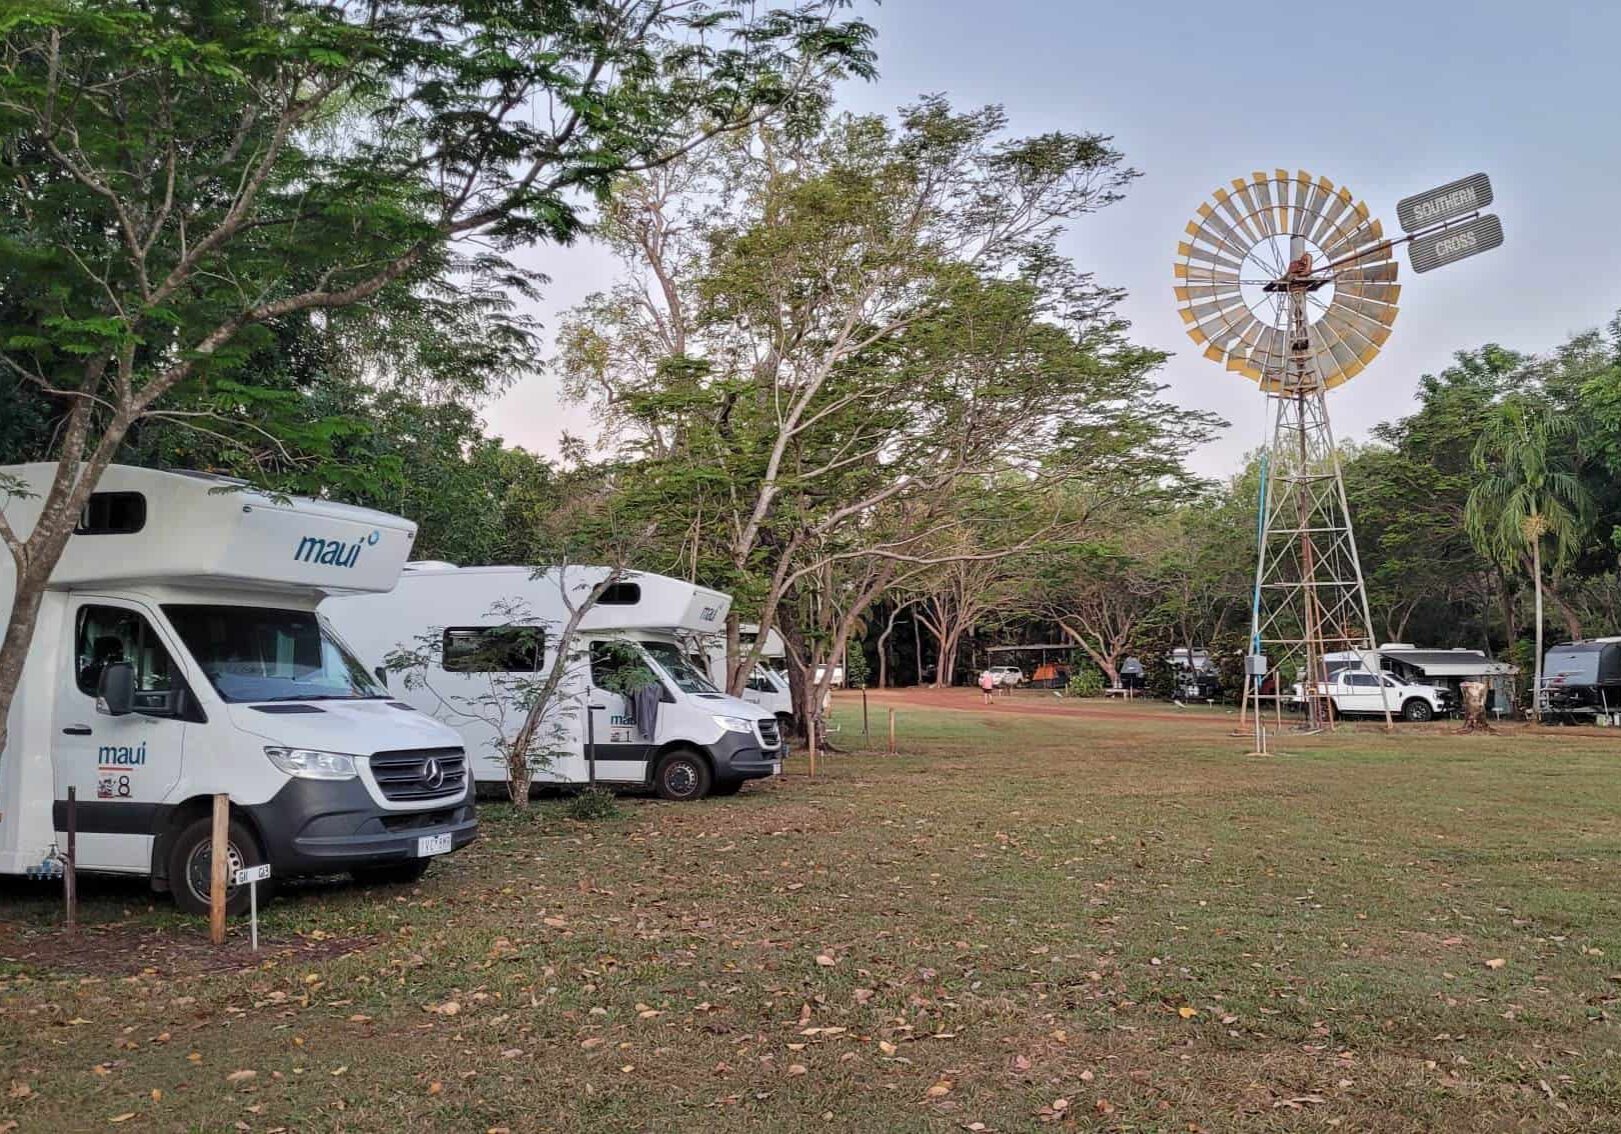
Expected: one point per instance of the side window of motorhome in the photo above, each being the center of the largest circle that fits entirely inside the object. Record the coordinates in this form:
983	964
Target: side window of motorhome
493	649
112	634
619	667
620	594
112	513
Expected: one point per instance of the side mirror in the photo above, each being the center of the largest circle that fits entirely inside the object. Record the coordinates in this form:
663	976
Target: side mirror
382	676
115	691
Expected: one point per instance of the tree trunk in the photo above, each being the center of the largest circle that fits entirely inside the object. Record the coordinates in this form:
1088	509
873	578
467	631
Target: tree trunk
26	600
1536	574
734	663
917	648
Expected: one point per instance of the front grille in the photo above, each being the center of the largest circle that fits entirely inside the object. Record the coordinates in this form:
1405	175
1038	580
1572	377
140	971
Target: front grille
770	735
418	820
413	774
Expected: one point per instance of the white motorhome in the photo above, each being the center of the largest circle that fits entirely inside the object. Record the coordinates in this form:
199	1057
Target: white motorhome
178	655
767	685
702	741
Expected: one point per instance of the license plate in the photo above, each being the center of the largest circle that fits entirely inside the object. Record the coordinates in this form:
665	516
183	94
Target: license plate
776	768
429	845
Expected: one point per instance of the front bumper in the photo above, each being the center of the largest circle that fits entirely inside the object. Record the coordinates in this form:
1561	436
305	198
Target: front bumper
326	826
740	757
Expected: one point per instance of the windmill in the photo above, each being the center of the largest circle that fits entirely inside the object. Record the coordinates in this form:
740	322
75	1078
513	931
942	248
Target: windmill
1290	282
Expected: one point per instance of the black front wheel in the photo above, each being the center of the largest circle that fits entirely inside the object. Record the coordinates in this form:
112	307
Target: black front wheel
191	861
682	776
1417	710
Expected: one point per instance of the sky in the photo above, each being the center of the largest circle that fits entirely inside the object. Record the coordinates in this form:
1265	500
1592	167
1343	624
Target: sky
1387	99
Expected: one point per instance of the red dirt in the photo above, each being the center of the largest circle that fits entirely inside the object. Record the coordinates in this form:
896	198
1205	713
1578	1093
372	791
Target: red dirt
1041	703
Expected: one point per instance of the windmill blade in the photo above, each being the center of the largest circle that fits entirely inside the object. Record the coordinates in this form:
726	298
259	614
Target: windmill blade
1211	257
1382	313
1358	272
1334	215
1374	292
1259	218
1232	208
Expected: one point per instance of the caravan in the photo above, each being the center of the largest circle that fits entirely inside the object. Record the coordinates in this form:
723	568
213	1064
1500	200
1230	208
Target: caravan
699	740
177	655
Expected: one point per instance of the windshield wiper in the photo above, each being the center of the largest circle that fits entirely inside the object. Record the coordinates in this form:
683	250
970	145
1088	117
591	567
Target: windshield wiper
327	697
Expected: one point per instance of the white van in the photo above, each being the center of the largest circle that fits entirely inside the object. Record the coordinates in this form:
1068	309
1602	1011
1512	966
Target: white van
767	686
178	655
703	741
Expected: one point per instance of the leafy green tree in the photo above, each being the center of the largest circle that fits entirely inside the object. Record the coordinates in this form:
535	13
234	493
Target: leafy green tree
1529	494
180	176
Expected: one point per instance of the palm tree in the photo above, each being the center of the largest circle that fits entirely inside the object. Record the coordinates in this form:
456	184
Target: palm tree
1529	493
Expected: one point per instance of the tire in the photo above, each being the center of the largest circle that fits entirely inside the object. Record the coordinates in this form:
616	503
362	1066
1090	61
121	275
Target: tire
399	874
731	788
682	776
1417	709
189	867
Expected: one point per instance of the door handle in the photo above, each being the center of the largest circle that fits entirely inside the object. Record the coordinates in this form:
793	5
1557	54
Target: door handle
77	730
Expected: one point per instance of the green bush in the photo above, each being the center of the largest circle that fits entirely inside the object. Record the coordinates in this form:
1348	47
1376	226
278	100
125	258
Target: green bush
591	804
1086	681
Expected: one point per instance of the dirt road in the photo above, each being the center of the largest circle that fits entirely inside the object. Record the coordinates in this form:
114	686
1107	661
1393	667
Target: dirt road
1041	703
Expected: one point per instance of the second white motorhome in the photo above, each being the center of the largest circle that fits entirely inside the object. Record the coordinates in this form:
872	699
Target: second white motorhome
702	742
178	655
767	685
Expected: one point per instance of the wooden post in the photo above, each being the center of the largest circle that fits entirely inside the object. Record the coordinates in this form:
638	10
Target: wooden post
70	875
219	862
892	732
865	733
812	747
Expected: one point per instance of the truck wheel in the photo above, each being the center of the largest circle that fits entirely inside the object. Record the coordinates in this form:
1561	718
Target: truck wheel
191	866
682	775
1417	710
399	874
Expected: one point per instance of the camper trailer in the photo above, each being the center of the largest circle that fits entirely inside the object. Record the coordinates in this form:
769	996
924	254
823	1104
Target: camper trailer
1583	679
699	742
178	655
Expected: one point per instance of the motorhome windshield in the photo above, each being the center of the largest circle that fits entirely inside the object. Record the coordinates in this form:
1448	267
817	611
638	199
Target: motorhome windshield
681	671
252	653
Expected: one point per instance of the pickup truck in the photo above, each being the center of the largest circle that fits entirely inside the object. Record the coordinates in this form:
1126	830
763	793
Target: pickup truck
1007	674
1359	692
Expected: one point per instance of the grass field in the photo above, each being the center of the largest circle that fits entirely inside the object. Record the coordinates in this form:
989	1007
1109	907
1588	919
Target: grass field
1022	921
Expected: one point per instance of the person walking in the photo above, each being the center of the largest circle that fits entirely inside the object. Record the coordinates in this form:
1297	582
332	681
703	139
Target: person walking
987	685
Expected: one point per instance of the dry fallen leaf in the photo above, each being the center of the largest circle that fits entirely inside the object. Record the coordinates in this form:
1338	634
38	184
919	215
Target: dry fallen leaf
435	1087
1496	963
825	961
796	1069
940	1089
125	1117
241	1076
886	1047
1187	1013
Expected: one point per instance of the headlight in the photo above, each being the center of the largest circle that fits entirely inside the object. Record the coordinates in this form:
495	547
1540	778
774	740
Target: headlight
307	764
736	724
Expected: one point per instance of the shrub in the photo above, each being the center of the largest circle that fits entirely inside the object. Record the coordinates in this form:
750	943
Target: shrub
1086	681
592	804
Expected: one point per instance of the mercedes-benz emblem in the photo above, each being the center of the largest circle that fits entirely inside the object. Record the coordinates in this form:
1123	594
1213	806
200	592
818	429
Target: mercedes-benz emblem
433	776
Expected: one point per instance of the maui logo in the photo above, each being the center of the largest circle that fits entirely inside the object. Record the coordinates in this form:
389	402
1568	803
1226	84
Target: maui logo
332	552
116	756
